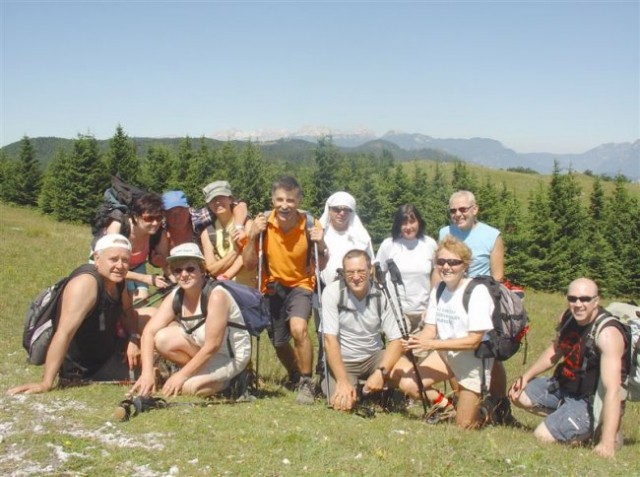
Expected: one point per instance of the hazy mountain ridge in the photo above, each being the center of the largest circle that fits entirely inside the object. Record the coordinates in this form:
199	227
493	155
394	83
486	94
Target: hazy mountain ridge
610	159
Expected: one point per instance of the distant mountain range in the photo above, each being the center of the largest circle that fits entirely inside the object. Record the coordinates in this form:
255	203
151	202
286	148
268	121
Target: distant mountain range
610	159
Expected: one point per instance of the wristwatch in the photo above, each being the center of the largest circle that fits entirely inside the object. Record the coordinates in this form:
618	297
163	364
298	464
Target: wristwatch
385	373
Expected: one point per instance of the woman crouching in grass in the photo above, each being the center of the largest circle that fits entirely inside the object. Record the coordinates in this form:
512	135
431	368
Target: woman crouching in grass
208	350
451	335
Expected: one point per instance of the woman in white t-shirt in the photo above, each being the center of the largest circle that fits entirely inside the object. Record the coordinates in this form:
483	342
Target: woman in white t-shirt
412	251
455	335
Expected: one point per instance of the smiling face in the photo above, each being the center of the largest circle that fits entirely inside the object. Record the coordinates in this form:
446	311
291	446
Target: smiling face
187	272
409	227
357	273
583	300
285	203
451	268
112	263
463	211
220	205
340	216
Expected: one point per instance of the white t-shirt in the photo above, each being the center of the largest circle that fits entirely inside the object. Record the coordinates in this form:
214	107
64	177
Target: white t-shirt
339	243
358	328
450	317
414	259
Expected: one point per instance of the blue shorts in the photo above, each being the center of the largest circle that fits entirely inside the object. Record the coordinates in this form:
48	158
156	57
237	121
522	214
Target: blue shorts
133	285
569	417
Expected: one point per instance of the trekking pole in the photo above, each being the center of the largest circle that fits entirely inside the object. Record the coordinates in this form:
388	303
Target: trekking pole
380	278
396	279
155	297
320	334
261	298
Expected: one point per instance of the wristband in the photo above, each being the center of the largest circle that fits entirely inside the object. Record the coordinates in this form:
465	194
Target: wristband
385	373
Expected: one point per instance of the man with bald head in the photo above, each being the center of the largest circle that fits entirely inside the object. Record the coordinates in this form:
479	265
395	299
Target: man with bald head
581	359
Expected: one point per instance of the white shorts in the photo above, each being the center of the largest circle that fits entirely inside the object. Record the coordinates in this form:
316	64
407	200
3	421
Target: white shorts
467	369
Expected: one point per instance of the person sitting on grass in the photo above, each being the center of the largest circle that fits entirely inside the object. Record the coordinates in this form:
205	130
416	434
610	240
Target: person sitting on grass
352	322
581	359
451	335
85	344
208	349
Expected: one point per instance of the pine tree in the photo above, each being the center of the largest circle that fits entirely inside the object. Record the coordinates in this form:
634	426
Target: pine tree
200	167
252	183
8	173
542	233
28	178
181	165
121	158
462	178
79	186
326	161
53	183
156	170
437	215
401	191
600	259
490	207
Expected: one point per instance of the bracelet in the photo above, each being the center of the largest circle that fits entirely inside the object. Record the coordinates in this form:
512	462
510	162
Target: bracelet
239	227
153	280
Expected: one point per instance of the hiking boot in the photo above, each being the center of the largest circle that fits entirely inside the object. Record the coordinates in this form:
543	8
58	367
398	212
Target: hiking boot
501	414
293	381
306	391
437	414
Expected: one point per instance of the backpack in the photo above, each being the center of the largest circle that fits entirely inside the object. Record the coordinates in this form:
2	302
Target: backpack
631	325
116	205
510	319
254	309
40	320
39	323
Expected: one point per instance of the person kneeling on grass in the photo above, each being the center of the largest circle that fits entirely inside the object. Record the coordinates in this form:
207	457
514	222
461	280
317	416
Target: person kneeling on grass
583	359
354	314
208	350
451	335
86	345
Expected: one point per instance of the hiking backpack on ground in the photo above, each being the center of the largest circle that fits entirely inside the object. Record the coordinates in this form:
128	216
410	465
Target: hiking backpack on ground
116	205
509	318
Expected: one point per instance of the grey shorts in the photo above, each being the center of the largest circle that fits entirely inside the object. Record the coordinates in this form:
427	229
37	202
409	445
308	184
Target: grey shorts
355	371
283	305
569	417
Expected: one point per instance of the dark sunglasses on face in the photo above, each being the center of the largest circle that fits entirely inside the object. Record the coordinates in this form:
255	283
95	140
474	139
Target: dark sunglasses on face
151	218
583	299
462	210
337	210
452	262
179	270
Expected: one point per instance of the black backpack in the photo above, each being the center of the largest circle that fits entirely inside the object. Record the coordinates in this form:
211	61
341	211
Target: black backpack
253	307
510	319
116	205
40	319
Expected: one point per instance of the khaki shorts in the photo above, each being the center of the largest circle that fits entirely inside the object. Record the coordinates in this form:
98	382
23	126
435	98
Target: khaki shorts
467	369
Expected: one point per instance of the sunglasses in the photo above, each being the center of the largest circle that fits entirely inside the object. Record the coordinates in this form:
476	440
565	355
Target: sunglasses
452	262
337	210
179	270
462	210
151	218
582	299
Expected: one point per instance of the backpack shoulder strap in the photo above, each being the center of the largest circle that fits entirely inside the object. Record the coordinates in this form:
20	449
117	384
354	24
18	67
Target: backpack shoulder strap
466	296
440	290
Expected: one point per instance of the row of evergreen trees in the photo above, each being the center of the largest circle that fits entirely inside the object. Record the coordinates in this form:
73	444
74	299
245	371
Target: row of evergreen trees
550	241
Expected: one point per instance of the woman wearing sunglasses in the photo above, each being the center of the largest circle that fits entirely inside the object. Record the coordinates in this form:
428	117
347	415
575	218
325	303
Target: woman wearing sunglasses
145	220
412	252
451	336
208	348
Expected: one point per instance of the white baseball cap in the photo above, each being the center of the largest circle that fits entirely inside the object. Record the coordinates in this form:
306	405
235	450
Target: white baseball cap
112	241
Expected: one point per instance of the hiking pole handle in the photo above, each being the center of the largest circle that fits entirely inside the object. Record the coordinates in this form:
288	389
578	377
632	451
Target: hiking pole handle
394	272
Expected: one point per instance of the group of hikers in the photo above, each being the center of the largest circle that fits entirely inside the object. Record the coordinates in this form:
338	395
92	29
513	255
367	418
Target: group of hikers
301	264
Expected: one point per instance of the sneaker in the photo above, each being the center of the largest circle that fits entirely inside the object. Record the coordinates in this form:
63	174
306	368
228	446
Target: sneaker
306	391
439	414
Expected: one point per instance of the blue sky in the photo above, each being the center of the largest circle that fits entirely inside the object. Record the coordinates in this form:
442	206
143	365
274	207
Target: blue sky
537	76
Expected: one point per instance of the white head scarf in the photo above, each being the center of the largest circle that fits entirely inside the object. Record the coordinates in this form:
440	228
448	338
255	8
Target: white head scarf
355	228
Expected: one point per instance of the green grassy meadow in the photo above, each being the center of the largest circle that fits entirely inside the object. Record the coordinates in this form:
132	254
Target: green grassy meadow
71	432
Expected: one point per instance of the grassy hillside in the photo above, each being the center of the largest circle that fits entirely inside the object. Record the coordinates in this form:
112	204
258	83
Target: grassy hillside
71	432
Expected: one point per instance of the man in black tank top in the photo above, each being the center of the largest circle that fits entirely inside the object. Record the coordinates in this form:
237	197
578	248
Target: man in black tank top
85	342
581	359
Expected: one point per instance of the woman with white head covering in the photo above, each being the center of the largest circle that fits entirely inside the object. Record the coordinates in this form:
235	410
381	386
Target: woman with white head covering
343	231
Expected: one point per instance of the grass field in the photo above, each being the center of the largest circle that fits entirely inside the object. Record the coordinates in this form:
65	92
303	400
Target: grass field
72	432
